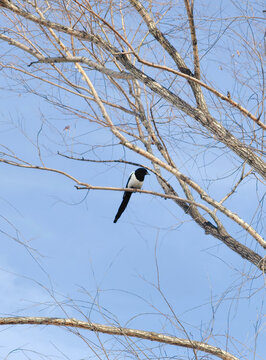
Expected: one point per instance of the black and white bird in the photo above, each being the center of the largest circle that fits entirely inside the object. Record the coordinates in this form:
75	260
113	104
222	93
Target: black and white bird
135	181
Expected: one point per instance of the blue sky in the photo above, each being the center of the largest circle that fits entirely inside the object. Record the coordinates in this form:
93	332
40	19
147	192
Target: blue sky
80	251
61	255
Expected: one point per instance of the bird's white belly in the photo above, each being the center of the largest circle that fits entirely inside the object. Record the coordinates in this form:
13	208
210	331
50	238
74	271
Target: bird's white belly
134	183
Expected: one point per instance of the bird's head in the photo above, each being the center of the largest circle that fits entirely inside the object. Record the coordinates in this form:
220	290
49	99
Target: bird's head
141	173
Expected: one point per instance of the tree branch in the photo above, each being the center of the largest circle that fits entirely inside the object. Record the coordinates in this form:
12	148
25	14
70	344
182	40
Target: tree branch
189	9
120	331
241	249
174	171
84	60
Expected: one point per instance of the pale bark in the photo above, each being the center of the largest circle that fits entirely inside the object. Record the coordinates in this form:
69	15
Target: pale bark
120	331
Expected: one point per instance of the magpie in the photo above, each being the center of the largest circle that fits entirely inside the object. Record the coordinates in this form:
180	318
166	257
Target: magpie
135	181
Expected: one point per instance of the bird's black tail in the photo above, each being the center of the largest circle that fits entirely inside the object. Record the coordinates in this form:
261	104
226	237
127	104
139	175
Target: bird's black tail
123	205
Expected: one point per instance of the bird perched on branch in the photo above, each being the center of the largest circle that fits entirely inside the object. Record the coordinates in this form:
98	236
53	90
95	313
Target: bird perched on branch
135	181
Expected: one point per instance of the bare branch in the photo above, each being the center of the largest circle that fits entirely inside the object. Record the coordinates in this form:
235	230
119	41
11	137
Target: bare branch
159	36
189	9
84	60
174	171
112	330
21	46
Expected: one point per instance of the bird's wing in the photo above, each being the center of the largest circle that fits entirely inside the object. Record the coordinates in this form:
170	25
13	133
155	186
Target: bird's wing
128	180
